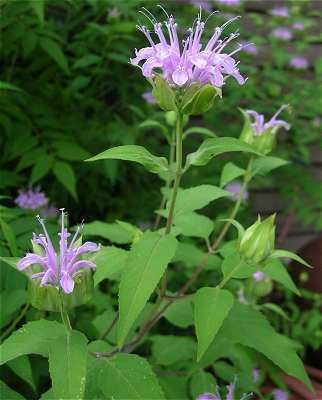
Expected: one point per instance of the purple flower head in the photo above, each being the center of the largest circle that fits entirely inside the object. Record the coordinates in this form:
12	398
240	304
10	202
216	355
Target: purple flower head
298	26
299	62
259	126
250	49
259	276
208	396
192	62
279	11
279	394
229	3
31	199
203	4
256	374
148	97
234	189
59	269
282	33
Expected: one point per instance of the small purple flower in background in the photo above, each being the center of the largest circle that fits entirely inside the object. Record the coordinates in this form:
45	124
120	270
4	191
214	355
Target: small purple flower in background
250	49
31	199
299	62
59	269
234	189
259	276
259	126
203	4
279	11
148	97
49	212
229	3
229	396
189	63
256	374
279	394
298	26
282	33
113	13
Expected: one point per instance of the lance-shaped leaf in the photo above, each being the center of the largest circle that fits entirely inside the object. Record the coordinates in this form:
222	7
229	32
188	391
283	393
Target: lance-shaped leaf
212	306
195	198
67	365
211	148
229	173
194	225
33	338
127	376
249	327
136	154
145	265
289	254
264	165
277	271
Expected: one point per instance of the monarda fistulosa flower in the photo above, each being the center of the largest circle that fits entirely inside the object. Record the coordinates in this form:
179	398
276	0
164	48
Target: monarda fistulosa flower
191	62
229	396
59	268
31	199
259	125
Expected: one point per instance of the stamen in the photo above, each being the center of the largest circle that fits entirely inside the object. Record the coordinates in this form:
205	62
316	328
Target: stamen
163	9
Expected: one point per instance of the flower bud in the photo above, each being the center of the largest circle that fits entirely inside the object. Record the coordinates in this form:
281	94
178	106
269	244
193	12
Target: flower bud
258	241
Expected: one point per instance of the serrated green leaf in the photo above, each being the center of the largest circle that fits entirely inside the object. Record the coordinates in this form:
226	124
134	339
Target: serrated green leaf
70	151
67	365
277	271
202	382
211	148
39	8
112	232
229	173
180	313
145	265
234	266
194	225
66	176
170	349
55	52
8	394
136	154
264	165
127	376
212	306
289	254
250	328
86	61
33	338
195	198
9	237
109	261
22	367
41	168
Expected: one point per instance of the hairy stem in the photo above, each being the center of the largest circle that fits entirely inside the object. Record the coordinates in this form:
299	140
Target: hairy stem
64	315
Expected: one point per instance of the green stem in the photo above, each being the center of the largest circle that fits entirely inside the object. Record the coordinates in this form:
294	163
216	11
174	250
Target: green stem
179	135
64	315
247	178
169	180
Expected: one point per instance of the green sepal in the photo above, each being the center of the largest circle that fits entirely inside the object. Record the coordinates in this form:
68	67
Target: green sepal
164	94
48	298
200	101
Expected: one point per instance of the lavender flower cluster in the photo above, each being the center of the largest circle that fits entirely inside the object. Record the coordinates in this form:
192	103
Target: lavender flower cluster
34	199
192	62
59	269
259	126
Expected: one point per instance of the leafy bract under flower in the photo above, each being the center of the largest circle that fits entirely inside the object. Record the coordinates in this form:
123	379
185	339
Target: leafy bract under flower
191	62
259	126
59	269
